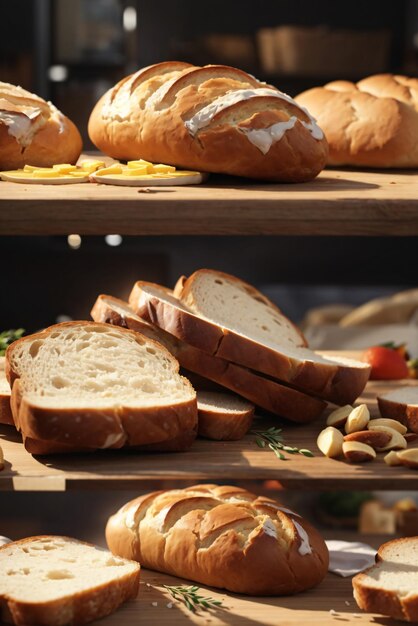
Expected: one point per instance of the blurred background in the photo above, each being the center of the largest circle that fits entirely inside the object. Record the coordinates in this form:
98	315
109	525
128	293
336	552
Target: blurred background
72	52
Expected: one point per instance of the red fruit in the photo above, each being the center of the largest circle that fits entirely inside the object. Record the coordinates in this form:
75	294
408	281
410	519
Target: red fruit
387	364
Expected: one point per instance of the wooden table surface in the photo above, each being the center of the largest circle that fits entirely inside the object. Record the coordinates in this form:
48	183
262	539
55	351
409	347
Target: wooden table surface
338	202
205	461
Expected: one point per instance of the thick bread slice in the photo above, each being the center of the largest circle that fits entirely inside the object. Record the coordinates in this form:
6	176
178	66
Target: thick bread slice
223	537
391	586
401	405
268	394
57	581
222	416
6	416
225	317
89	385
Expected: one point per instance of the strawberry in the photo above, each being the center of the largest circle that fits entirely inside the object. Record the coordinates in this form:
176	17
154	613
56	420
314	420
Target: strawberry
387	363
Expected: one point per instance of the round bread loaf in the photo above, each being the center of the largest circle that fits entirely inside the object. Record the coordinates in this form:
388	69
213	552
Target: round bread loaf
212	119
34	132
373	123
223	537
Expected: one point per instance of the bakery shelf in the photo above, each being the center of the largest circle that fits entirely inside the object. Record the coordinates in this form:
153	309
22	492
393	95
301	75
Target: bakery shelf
328	604
205	461
338	202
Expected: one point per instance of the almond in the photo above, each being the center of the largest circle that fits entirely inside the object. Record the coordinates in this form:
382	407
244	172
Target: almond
409	458
410	437
392	458
330	442
397	441
357	419
339	417
356	452
389	423
374	438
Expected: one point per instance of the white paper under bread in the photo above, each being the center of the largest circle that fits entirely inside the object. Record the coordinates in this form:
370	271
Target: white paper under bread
347	558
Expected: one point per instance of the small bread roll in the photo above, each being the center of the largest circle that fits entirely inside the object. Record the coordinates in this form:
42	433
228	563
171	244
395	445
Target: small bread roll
34	132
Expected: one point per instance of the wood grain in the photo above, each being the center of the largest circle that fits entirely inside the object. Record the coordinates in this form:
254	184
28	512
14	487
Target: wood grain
205	461
338	202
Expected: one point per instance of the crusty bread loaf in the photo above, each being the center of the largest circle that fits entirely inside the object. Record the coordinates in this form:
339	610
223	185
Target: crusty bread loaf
6	416
264	392
225	317
57	581
213	118
221	536
222	416
373	123
395	309
391	586
33	131
88	385
401	405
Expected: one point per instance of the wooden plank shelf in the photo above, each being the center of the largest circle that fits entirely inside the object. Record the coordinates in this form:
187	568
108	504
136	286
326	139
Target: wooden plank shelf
338	202
205	461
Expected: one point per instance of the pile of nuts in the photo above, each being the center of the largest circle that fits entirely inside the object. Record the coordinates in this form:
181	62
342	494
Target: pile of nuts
364	437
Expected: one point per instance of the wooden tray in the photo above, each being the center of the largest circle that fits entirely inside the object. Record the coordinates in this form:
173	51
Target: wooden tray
205	461
338	202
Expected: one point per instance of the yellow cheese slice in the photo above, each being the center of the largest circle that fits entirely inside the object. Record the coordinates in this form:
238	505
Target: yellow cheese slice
59	174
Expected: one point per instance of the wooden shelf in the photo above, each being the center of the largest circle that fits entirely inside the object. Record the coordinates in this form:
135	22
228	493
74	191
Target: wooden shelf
205	461
338	202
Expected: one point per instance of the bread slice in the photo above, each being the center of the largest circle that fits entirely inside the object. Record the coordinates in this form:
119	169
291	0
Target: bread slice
222	416
391	586
87	385
56	581
225	317
268	394
6	416
401	405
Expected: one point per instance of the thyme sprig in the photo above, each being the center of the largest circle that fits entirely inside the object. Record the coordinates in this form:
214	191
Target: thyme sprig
273	439
189	596
9	336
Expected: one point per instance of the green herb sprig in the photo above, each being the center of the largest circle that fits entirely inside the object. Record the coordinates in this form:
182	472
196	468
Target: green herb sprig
7	337
189	596
273	439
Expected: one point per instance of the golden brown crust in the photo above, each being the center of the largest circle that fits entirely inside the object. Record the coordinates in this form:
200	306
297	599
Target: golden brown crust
81	608
407	414
373	123
55	139
270	395
223	537
77	429
224	426
336	383
383	601
129	122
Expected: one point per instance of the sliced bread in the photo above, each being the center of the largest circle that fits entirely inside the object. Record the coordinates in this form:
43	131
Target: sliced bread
268	394
222	416
87	385
57	581
225	317
6	416
391	586
401	405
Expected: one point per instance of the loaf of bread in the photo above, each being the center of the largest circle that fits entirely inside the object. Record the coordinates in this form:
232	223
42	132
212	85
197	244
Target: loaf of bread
82	385
222	416
6	416
213	119
279	399
401	405
373	123
227	318
391	586
398	308
34	132
223	537
57	581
